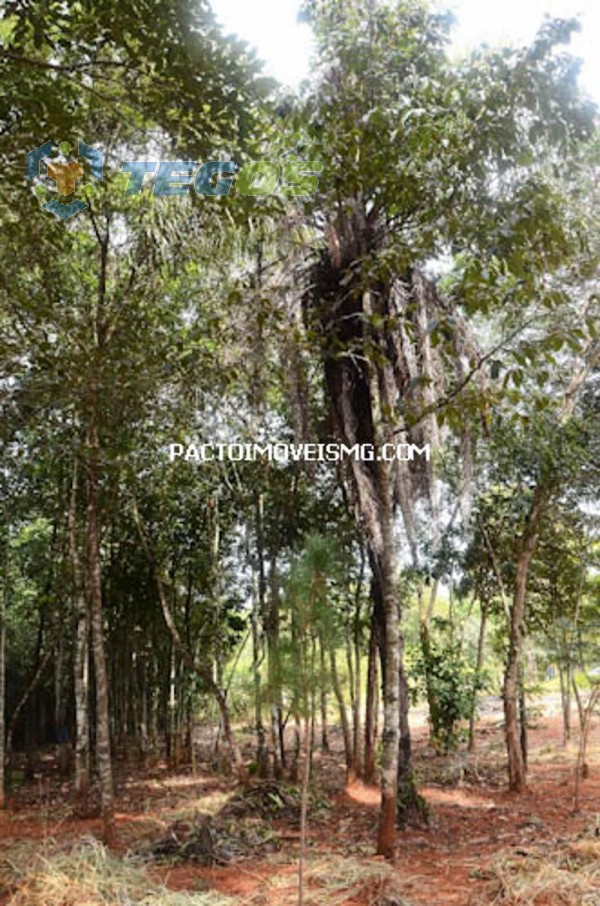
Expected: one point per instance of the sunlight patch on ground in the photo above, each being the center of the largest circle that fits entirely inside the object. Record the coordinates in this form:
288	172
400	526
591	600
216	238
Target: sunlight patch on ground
365	795
178	782
459	798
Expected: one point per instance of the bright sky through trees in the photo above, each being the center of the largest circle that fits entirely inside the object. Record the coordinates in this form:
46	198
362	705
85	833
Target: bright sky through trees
285	45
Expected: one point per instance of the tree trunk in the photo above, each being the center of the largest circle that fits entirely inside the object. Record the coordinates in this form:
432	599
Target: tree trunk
371	707
391	726
425	616
523	739
261	746
81	656
411	806
586	715
346	729
391	671
258	611
172	710
103	752
357	696
366	386
323	698
517	768
478	669
308	704
274	672
565	697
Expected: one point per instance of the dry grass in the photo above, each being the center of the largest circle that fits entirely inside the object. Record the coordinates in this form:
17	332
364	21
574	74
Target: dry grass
87	875
567	876
332	882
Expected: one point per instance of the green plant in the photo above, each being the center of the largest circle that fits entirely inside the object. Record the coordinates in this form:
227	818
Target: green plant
443	673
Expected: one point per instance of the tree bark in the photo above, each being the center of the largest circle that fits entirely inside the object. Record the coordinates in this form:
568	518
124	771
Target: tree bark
258	612
426	612
517	768
411	806
565	696
274	672
103	752
346	729
391	687
172	710
81	657
371	707
323	698
391	729
357	690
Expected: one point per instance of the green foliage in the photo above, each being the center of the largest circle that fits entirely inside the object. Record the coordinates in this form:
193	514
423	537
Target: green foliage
443	673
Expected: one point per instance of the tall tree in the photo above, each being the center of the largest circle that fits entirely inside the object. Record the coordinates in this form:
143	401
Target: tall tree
429	156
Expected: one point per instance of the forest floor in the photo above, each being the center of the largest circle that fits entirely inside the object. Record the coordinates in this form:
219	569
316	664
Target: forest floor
482	845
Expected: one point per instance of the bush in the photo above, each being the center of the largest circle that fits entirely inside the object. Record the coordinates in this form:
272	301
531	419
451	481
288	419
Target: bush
447	680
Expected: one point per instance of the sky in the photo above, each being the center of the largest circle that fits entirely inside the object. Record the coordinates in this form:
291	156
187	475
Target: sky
285	45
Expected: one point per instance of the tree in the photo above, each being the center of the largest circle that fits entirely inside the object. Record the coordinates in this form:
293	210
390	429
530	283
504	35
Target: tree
388	95
85	336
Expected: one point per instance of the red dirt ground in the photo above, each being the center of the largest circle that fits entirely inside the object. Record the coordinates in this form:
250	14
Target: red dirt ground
471	821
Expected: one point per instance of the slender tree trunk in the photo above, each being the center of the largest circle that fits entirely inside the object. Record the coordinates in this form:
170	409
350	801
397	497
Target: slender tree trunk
323	698
380	521
411	806
294	767
103	752
171	710
154	700
357	703
371	707
391	687
258	612
191	730
565	676
308	702
523	738
143	696
261	745
391	717
81	656
586	715
478	669
274	673
517	768
346	729
426	611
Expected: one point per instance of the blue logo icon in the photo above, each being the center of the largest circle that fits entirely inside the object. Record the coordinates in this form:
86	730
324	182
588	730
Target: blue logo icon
65	174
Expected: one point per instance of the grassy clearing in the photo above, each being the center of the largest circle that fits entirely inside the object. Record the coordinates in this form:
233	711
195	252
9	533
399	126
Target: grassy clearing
569	876
87	875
